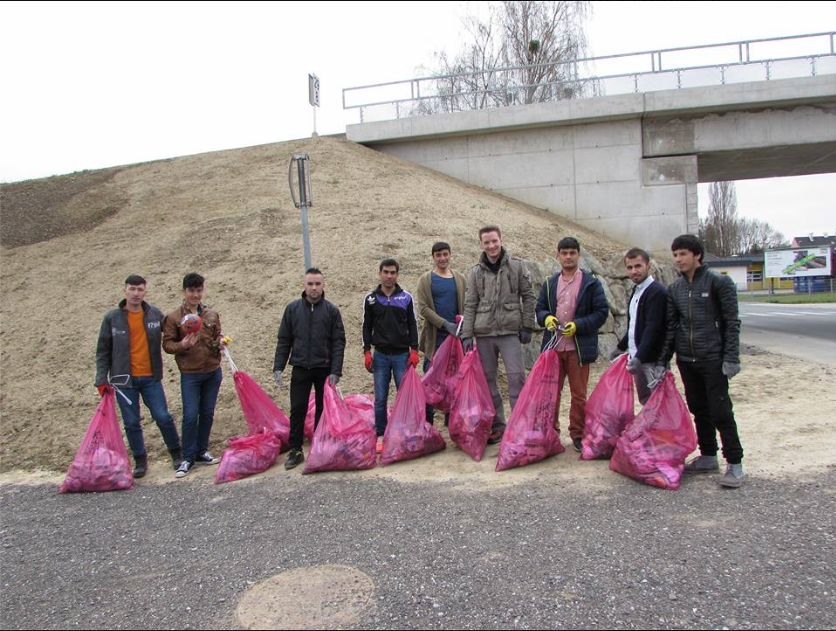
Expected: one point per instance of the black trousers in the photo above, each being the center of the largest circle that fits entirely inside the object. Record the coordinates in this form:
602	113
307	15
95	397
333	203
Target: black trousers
707	393
301	382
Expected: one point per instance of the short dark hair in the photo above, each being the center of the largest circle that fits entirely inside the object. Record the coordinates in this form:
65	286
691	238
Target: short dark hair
193	280
389	263
487	229
568	243
135	279
688	242
314	270
634	253
438	246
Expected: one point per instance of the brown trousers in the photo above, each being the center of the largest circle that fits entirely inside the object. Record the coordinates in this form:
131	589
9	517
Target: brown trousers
570	366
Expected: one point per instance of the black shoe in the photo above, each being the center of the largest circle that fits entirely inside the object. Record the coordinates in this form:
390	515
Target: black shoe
294	459
496	437
141	467
184	468
206	458
176	457
577	444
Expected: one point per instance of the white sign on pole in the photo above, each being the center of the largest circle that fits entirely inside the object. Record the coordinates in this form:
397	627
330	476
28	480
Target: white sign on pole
313	90
797	263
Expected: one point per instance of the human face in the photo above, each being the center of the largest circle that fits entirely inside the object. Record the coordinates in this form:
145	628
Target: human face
134	295
686	261
388	277
569	258
314	287
637	269
441	258
491	245
193	296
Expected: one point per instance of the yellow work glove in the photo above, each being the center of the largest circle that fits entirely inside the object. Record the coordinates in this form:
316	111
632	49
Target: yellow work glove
570	329
551	323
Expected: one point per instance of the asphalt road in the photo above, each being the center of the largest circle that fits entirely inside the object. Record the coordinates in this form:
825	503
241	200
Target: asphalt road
806	331
539	555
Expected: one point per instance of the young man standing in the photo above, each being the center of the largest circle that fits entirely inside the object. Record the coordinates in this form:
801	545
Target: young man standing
390	325
704	331
198	357
312	338
573	304
645	322
440	298
499	312
128	355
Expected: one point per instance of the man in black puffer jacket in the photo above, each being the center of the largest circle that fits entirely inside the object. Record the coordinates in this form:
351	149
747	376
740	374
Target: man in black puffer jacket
704	331
312	336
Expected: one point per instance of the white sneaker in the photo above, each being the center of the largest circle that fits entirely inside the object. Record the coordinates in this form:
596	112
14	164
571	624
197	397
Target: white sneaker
206	458
183	469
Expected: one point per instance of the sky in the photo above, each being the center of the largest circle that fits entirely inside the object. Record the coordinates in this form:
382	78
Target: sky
89	85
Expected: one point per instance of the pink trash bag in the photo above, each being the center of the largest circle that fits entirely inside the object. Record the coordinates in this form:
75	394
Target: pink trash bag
101	462
473	412
345	439
530	436
248	455
654	446
310	417
608	411
408	435
260	411
439	382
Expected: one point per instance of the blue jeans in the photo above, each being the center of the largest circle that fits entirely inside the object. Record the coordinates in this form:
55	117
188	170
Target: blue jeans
200	394
154	398
383	367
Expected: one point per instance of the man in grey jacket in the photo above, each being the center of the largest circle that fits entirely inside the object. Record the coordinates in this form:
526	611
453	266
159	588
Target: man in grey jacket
704	331
499	312
128	356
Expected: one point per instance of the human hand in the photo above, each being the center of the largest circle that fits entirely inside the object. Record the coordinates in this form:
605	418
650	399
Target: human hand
368	360
633	365
525	336
277	376
413	358
551	323
730	369
449	327
570	329
103	389
188	341
467	344
334	379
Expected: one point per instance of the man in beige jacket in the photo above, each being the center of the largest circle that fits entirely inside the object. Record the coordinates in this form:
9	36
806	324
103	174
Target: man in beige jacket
440	299
499	311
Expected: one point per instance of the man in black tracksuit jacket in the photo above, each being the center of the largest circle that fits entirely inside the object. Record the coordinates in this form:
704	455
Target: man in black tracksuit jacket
704	331
312	337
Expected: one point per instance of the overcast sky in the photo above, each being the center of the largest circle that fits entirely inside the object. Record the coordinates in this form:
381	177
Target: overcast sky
92	85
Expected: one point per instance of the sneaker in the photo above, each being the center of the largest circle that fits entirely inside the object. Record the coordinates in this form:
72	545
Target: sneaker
496	437
183	469
380	444
141	467
294	459
577	444
703	464
206	458
733	478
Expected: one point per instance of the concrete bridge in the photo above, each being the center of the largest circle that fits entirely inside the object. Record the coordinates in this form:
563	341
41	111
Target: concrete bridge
627	166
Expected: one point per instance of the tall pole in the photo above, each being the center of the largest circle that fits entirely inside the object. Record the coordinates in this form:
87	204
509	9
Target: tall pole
304	198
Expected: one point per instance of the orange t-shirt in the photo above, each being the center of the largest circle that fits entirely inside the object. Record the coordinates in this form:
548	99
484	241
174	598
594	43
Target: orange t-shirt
140	357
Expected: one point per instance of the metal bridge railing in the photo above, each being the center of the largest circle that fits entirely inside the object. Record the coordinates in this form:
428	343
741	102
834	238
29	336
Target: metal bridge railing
646	71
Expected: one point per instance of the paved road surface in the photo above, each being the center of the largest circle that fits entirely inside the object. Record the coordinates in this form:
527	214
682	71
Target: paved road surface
804	331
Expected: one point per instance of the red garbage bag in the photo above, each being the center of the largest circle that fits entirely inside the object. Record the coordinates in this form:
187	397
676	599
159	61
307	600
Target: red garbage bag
310	417
530	436
248	455
473	413
345	439
439	382
101	462
608	411
408	435
654	446
260	411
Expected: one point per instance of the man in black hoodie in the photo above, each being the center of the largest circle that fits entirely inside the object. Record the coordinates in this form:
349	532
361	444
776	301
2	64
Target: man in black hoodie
312	337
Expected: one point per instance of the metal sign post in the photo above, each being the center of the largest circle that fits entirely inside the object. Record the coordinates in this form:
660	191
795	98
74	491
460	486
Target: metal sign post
304	198
313	97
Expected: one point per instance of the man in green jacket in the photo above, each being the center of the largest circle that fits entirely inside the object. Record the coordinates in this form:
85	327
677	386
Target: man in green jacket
440	298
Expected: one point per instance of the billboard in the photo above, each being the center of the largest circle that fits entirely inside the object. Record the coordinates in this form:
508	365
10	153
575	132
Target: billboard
797	263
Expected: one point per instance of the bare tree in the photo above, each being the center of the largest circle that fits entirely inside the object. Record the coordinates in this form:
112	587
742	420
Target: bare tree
758	236
521	54
720	229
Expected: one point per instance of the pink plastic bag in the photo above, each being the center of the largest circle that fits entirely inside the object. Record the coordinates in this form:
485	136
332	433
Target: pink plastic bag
654	446
101	462
408	435
248	455
439	382
260	411
473	412
530	436
608	411
345	439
